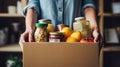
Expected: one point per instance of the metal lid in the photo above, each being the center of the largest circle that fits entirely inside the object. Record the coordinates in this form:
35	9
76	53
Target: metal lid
57	33
78	18
45	21
62	25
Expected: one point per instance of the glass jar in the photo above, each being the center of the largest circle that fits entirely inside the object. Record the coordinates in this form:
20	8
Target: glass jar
47	21
2	37
82	25
56	37
41	33
61	26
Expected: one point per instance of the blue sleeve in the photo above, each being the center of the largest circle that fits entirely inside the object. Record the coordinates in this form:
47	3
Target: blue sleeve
32	4
88	3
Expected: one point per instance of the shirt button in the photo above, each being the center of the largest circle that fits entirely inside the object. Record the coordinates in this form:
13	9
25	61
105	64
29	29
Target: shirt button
60	9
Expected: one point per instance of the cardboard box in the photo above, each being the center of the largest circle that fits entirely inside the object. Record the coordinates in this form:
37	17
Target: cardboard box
60	54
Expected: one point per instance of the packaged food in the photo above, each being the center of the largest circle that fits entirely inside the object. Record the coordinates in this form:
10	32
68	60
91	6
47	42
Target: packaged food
56	37
41	33
49	22
61	26
82	25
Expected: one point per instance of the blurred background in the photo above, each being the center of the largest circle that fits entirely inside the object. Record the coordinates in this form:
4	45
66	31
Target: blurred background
12	25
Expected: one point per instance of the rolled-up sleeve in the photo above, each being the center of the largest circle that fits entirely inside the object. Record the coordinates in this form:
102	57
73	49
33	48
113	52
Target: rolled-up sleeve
32	4
88	3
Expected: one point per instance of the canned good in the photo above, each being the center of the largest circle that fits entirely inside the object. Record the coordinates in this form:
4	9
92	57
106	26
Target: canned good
56	37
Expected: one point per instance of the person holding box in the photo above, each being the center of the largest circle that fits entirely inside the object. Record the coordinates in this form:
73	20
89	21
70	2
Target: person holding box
59	11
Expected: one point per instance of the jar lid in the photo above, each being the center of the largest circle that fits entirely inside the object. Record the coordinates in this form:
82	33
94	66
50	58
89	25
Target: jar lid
62	25
45	21
56	33
78	18
41	25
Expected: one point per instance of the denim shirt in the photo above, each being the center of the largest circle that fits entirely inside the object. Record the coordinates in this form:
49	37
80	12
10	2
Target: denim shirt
59	11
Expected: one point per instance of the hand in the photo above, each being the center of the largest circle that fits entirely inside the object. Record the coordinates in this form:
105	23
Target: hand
26	34
31	18
95	35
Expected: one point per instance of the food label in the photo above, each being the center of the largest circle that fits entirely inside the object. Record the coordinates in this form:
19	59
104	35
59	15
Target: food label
54	40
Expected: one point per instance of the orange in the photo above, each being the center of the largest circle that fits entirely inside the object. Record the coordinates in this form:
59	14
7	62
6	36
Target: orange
68	31
71	39
77	35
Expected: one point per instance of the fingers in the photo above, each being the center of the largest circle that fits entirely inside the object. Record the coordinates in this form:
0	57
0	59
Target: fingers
30	37
96	39
24	36
22	39
95	35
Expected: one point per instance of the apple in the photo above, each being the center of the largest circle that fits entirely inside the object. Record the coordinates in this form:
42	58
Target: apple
90	39
83	40
87	39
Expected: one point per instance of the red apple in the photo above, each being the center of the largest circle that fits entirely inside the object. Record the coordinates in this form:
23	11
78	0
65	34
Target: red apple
83	40
90	39
87	39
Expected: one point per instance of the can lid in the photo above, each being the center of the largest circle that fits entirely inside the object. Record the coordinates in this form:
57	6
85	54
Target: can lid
78	18
57	33
45	21
40	25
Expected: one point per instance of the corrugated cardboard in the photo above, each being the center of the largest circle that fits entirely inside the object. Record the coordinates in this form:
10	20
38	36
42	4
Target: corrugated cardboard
60	54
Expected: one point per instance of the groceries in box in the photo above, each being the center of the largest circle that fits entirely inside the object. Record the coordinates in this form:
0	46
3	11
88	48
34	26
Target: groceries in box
81	31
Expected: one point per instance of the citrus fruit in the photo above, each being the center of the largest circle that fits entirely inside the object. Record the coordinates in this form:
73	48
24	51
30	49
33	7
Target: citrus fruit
68	31
71	39
77	35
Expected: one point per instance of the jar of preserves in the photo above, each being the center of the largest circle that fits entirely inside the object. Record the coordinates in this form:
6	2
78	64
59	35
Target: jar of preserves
56	37
41	33
82	25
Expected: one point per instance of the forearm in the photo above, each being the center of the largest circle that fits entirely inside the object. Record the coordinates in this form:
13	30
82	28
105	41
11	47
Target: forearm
91	16
31	18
